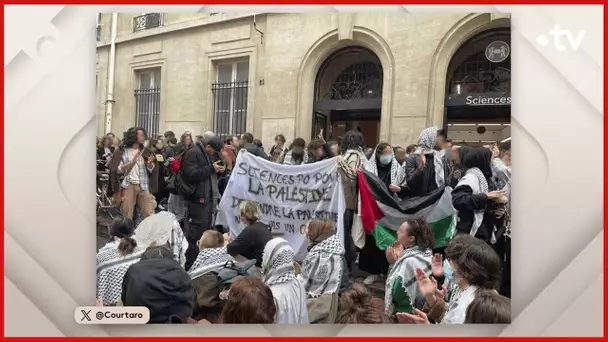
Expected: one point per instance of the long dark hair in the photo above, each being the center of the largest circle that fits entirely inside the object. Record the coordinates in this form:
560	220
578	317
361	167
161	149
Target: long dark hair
352	140
123	228
130	137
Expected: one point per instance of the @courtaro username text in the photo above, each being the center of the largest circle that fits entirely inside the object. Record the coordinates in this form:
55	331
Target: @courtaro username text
101	315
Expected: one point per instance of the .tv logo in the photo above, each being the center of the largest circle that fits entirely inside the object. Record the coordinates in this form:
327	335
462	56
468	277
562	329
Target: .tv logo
557	33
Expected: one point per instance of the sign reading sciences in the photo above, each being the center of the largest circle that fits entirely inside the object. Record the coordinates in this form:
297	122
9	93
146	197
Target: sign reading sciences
474	100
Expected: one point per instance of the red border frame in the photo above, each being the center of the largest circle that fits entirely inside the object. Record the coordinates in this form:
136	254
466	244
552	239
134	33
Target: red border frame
334	2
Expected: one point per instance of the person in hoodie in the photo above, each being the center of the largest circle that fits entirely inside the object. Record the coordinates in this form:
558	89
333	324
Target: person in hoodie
247	144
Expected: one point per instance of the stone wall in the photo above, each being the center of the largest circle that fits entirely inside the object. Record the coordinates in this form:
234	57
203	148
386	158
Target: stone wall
412	48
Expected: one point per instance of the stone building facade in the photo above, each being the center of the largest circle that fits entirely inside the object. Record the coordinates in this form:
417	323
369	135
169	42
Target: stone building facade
387	74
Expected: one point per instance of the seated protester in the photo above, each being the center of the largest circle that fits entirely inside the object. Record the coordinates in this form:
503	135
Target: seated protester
324	269
471	267
297	154
249	301
162	286
114	259
427	168
413	250
358	306
288	292
489	308
210	261
476	197
163	228
250	243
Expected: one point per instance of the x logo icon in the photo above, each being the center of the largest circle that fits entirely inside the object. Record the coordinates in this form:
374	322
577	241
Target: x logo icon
85	315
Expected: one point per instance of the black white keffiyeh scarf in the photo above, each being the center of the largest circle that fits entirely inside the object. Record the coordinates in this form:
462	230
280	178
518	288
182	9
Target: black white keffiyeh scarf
111	269
277	262
397	171
426	145
405	268
322	268
209	260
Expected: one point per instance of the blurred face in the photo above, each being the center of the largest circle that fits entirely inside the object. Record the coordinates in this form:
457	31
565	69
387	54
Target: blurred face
236	141
335	149
107	142
115	141
404	237
386	156
278	142
439	144
297	150
318	153
210	151
160	144
506	157
141	137
188	140
400	155
455	155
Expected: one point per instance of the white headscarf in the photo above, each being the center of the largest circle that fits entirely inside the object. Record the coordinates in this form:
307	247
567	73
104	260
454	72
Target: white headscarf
279	274
426	145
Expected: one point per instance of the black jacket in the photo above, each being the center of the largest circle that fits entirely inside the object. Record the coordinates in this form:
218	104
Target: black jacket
197	169
466	203
255	150
422	181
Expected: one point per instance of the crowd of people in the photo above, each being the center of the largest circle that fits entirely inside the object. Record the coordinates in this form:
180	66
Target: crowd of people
187	269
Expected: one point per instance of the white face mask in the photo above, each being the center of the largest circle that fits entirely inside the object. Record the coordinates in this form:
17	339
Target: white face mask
386	159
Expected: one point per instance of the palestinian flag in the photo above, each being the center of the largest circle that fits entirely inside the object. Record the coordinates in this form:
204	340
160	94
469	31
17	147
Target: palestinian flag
382	214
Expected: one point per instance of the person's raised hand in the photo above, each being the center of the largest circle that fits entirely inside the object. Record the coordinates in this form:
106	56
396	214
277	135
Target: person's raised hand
427	286
437	265
394	188
418	317
321	136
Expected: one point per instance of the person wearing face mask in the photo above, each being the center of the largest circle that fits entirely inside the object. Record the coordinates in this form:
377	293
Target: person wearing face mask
413	250
297	153
472	268
384	165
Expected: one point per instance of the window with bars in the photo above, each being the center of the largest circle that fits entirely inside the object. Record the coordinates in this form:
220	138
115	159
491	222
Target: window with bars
230	93
147	100
147	21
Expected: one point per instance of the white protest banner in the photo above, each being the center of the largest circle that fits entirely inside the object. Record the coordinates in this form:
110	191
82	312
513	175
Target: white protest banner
288	195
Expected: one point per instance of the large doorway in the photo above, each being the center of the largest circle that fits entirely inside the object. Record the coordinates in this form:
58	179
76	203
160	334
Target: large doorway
348	95
478	90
